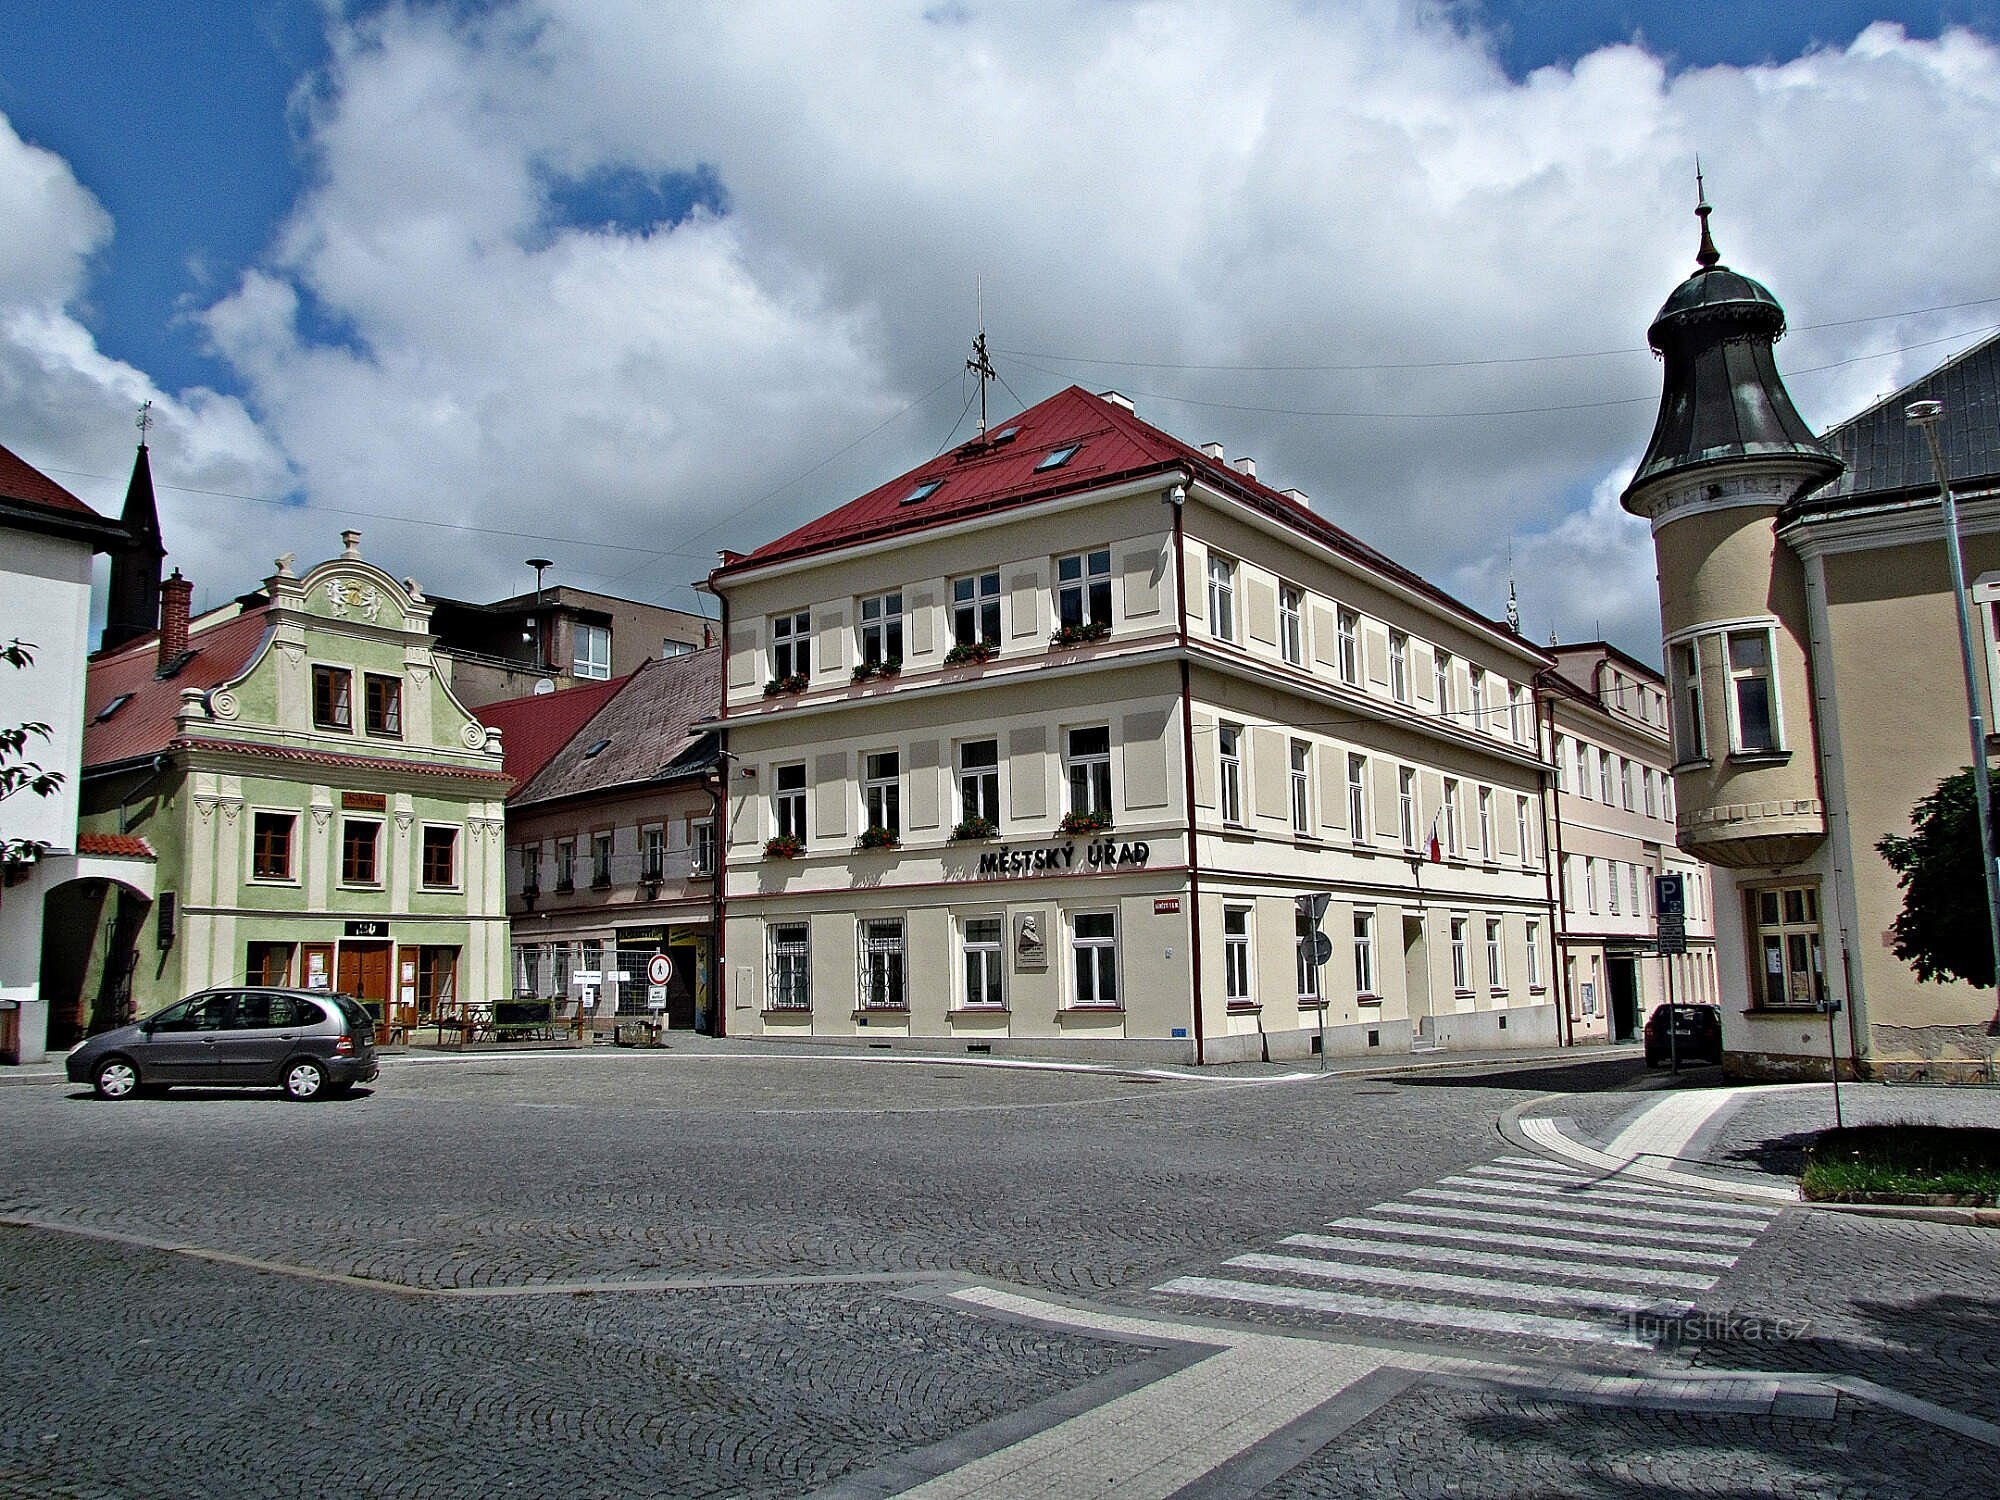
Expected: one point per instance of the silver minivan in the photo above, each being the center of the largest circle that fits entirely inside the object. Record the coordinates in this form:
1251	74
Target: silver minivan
307	1042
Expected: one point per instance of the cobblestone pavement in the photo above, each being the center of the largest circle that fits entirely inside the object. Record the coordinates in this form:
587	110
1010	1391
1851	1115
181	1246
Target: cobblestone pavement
1484	1445
850	1191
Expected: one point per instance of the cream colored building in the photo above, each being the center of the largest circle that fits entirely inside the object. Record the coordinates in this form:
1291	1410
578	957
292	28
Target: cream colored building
1034	748
1611	830
1812	658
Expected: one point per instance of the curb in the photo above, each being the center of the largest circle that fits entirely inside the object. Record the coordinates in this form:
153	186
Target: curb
1595	1157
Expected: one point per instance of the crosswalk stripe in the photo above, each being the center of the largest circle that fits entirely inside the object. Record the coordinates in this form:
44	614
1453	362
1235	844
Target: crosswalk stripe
1623	1188
1568	1226
1536	1242
1542	1162
1566	1206
1453	1255
1395	1310
1584	1300
1617	1199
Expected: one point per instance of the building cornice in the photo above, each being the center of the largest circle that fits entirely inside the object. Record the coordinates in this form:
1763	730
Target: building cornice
1911	521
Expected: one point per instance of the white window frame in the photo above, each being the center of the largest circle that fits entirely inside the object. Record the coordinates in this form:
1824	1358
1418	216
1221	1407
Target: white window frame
1534	951
975	603
884	951
992	963
1229	771
1605	777
1406	805
1496	955
1399	665
1347	635
1612	898
1364	955
881	791
586	660
1357	797
701	847
1524	830
877	632
1479	700
979	784
1222	597
788	803
1590	883
1103	964
1451	830
789	966
1690	721
791	644
1083	581
1441	681
1461	955
1768	635
1517	715
1301	786
1292	624
1305	933
1096	766
1238	984
457	881
1489	848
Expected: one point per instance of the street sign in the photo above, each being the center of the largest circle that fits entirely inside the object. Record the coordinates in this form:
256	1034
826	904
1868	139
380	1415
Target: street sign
1673	934
1314	907
1322	948
659	969
1670	896
656	997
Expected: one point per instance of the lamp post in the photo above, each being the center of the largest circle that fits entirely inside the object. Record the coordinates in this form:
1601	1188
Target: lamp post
1924	416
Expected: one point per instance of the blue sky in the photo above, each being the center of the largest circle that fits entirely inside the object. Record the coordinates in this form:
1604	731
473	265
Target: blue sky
669	264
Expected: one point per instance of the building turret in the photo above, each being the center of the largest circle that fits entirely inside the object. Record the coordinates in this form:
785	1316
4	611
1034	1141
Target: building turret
132	602
1729	450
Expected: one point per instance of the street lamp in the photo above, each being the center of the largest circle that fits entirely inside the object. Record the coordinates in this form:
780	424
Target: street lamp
1924	416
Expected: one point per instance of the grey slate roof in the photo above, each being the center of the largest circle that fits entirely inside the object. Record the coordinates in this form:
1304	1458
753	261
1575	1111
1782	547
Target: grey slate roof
1886	455
648	726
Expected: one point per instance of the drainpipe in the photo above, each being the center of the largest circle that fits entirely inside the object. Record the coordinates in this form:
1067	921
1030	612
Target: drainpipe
1553	848
1177	499
717	899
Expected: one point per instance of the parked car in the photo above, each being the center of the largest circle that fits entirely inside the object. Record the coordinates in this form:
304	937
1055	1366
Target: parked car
1697	1034
307	1042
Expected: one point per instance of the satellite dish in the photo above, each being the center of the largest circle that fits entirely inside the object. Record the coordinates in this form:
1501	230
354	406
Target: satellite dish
546	685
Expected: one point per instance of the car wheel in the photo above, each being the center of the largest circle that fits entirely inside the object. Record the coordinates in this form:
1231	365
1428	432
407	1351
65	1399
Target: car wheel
304	1080
117	1078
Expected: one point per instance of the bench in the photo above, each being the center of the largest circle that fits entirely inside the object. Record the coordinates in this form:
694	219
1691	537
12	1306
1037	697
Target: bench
521	1020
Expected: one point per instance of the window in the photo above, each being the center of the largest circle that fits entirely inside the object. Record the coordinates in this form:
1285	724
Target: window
1357	797
530	856
1632	874
565	865
1534	954
1301	787
1292	624
982	962
1625	785
1604	777
1406	806
271	845
383	699
882	629
653	853
1090	771
791	967
1562	762
1307	936
1590	883
1524	832
593	652
1094	949
979	780
1652	792
1785	937
788	802
1441	681
882	965
360	845
1364	953
1583	770
333	698
1399	666
791	646
670	647
1055	458
1496	968
975	610
701	847
881	797
1461	961
1451	835
1236	955
600	861
1229	752
440	858
923	491
1753	706
1479	700
1517	715
1611	884
1221	597
1348	634
1690	730
1083	590
1488	848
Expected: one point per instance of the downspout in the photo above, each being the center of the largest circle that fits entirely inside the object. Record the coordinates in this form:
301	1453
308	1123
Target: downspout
1552	820
1860	1041
717	899
1177	499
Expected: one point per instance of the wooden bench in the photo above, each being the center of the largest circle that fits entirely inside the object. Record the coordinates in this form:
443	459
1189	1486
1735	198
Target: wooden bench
523	1020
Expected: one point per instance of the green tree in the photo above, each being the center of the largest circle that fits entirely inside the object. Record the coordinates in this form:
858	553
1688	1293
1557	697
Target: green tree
1943	930
17	772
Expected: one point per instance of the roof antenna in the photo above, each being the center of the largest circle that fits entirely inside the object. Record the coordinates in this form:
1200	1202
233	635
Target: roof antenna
1707	256
979	364
1513	599
145	421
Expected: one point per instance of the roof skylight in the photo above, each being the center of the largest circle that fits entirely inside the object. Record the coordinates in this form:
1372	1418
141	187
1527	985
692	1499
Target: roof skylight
111	708
596	749
1055	458
923	491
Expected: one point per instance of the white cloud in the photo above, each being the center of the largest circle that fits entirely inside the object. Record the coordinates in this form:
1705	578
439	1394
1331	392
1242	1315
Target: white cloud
1248	184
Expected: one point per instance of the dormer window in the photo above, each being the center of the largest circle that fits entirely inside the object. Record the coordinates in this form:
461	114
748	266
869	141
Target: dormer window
1055	458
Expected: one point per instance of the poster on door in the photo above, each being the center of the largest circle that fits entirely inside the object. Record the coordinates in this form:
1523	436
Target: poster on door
316	970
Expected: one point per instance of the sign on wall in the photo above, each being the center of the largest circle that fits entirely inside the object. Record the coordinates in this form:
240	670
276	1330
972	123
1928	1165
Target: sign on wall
1031	948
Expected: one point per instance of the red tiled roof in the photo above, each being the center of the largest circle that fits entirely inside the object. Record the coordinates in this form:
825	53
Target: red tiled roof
122	845
1113	446
337	758
532	729
648	731
144	725
23	482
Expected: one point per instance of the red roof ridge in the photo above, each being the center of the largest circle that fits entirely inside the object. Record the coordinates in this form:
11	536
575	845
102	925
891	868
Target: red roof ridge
121	845
23	483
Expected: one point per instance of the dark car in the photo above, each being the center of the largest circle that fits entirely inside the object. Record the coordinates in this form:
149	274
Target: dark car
307	1042
1696	1036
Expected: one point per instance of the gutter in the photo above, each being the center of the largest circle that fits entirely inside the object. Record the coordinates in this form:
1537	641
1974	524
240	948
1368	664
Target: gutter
1553	852
1177	499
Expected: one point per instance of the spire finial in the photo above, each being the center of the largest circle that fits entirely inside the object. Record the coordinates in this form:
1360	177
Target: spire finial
1707	256
145	421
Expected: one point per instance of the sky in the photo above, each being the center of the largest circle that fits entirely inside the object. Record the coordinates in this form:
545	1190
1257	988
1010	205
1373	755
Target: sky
621	284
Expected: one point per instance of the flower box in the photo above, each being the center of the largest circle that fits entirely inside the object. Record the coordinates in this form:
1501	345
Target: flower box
887	668
778	686
784	846
970	653
1085	822
1077	635
976	828
876	838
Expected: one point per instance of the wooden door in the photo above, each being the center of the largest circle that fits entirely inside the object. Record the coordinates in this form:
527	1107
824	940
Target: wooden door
364	974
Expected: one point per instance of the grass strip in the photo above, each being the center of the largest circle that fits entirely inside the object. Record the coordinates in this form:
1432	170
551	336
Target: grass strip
1904	1162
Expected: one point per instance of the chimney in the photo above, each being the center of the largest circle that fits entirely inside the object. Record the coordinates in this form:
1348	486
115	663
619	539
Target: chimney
707	637
1213	450
175	595
1297	497
1118	399
1247	466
